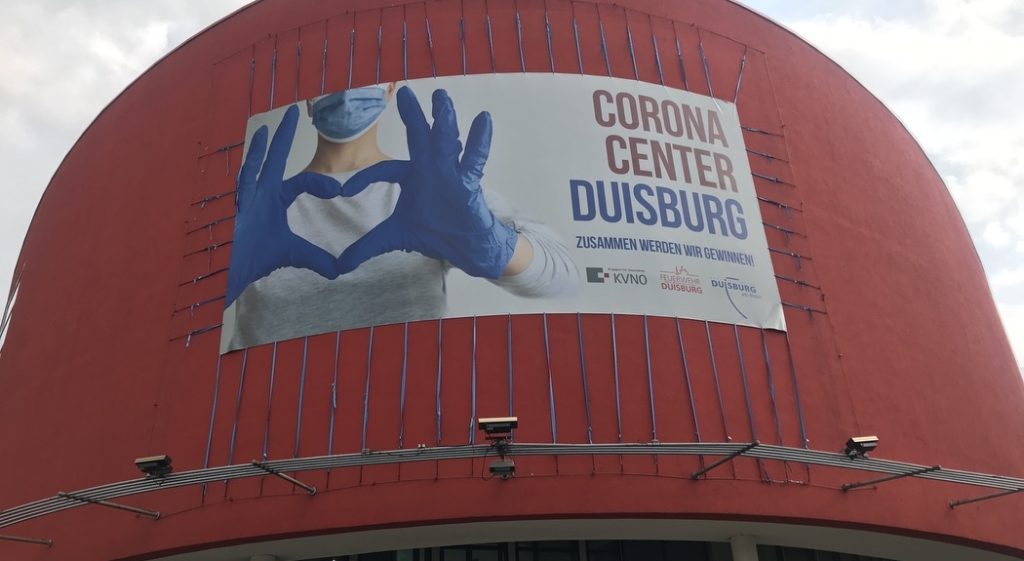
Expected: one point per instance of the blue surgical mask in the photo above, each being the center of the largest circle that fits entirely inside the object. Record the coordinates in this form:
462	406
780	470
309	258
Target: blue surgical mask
345	116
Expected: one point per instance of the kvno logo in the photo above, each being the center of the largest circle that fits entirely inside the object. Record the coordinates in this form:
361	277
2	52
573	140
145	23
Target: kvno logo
616	276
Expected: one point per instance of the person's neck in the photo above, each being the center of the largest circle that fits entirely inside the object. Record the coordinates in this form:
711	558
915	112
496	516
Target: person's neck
333	157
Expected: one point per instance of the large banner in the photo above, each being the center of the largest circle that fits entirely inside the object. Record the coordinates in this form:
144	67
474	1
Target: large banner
495	194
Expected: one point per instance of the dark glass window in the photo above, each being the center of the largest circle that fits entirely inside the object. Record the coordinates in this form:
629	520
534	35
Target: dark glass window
597	550
475	552
548	551
603	551
657	551
378	556
779	553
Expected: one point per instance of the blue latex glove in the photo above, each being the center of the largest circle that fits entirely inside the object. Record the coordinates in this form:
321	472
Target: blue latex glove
440	211
263	241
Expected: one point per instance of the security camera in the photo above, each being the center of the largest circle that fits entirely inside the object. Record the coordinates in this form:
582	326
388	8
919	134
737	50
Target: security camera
504	469
497	426
155	466
859	446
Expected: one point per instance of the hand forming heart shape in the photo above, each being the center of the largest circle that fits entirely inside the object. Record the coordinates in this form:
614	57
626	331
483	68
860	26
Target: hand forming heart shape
440	213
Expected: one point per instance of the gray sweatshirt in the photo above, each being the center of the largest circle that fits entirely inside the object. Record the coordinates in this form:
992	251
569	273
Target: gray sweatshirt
391	288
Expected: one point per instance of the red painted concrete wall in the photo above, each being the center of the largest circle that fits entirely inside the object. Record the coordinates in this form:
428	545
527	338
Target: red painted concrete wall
893	333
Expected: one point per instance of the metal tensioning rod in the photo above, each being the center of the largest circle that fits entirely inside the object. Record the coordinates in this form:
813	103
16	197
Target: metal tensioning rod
118	506
729	458
848	486
37	541
309	488
961	502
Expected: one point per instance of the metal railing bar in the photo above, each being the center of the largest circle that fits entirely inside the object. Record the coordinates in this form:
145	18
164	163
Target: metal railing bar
54	504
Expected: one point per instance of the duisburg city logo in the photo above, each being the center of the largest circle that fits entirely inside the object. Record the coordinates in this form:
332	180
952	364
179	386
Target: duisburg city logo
736	289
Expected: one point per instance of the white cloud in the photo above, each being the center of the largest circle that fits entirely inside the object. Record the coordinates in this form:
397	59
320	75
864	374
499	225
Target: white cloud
950	70
1008	277
997	235
64	61
1013	322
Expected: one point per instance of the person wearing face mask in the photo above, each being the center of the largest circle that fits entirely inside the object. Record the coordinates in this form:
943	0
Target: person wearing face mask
371	238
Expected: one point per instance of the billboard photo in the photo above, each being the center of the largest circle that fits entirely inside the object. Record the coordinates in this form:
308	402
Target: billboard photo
495	194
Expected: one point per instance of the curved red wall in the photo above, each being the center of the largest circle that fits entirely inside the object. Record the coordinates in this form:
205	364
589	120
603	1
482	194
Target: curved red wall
892	331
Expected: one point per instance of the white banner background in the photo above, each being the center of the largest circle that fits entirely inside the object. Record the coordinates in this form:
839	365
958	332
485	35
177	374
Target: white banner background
546	134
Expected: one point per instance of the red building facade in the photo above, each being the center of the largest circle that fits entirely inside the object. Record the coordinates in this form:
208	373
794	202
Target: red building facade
112	348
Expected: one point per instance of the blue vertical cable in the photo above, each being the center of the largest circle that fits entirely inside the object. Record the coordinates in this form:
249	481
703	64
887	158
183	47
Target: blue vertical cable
800	411
238	406
273	76
771	394
270	402
298	67
511	401
576	39
401	398
366	387
430	47
351	52
771	386
604	44
302	393
490	43
704	62
689	387
252	78
334	393
437	387
679	57
743	379
213	414
462	33
472	390
657	54
380	43
615	371
323	62
632	52
618	403
718	385
586	384
405	46
551	386
739	78
547	29
519	36
796	392
746	398
650	384
462	42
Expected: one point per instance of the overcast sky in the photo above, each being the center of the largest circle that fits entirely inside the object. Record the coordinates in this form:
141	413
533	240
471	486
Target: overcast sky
950	69
953	72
